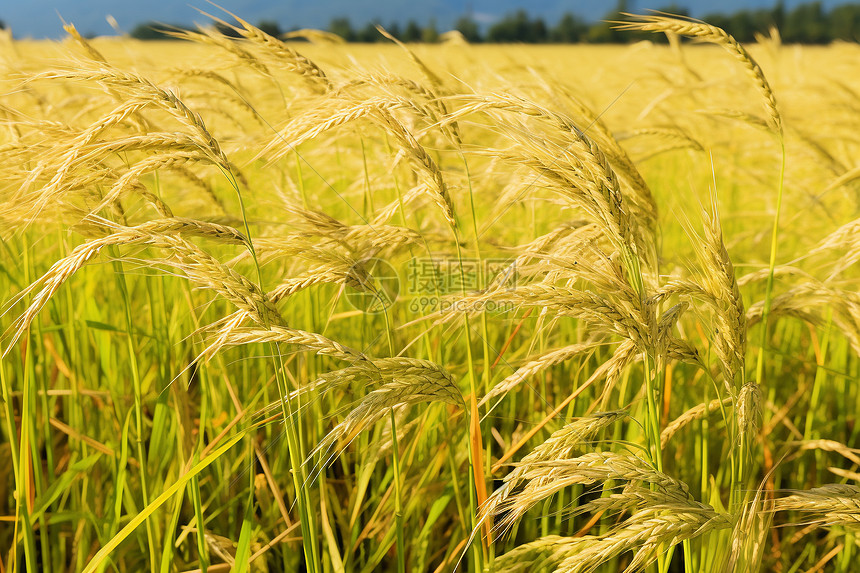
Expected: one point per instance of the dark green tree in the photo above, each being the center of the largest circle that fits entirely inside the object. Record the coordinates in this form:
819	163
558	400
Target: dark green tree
741	26
394	29
412	32
429	34
343	28
806	24
569	30
153	31
271	27
744	24
518	27
467	26
723	21
368	34
844	23
227	30
604	32
777	15
538	33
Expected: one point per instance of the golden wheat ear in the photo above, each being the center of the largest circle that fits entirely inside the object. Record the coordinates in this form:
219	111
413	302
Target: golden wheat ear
703	32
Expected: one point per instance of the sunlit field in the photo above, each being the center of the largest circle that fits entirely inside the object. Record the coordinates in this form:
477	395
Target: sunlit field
307	306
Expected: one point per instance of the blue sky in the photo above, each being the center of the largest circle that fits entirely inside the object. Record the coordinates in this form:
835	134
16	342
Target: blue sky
41	18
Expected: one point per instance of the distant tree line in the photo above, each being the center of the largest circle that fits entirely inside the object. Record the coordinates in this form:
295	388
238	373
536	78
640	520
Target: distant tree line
807	23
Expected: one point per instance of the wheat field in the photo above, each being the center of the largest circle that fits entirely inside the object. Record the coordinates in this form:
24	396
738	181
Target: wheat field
307	306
